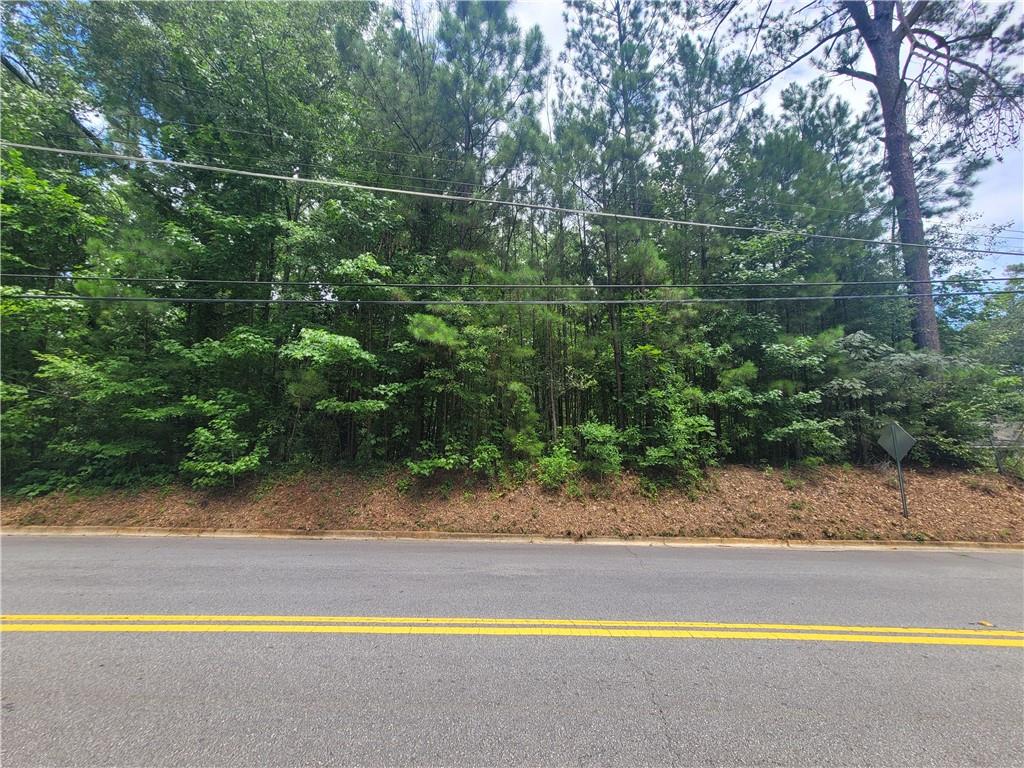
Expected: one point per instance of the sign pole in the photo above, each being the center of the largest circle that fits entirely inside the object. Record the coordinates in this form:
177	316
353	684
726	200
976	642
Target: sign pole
897	442
903	492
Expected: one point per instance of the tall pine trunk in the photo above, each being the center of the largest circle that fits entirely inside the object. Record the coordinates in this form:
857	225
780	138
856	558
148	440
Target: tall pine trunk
884	44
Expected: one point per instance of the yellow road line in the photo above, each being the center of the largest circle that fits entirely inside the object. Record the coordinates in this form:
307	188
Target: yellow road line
491	621
362	629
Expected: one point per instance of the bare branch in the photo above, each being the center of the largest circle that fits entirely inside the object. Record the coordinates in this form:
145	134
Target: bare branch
714	32
949	59
859	13
909	19
772	75
857	73
760	28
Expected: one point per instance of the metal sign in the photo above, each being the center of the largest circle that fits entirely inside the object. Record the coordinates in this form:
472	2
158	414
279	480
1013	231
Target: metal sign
1005	437
897	442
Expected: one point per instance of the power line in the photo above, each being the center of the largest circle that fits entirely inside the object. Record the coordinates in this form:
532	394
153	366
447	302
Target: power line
439	184
735	197
458	302
438	158
491	201
423	190
501	286
420	183
283	133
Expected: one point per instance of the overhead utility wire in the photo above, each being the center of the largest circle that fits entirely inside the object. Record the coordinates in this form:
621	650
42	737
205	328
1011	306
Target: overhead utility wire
437	158
363	175
440	183
457	302
491	201
434	180
510	286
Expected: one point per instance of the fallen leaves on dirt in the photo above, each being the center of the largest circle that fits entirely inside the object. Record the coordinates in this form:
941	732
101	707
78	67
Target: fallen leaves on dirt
829	503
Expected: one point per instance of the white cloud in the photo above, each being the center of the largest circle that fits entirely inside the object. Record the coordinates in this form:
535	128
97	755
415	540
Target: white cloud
547	14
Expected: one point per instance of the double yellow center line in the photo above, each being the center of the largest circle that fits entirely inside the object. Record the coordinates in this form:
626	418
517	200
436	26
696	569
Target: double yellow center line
415	625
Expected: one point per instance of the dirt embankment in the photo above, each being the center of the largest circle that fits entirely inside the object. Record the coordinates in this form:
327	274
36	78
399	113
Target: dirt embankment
830	503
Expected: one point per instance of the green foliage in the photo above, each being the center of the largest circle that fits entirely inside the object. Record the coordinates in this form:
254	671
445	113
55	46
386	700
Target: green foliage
555	469
116	394
601	452
450	460
100	423
241	345
222	450
45	226
685	448
486	459
742	376
322	348
434	330
352	408
809	436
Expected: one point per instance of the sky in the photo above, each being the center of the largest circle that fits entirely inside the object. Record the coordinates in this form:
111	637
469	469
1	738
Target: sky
998	198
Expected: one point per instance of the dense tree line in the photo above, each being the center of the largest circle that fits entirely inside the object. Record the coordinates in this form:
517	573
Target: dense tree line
648	113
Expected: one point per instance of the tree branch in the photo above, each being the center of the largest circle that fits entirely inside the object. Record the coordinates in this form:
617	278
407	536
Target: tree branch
948	58
910	18
859	74
768	78
883	12
859	13
25	78
721	21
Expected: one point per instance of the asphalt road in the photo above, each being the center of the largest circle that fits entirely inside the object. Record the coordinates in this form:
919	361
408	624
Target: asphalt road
294	696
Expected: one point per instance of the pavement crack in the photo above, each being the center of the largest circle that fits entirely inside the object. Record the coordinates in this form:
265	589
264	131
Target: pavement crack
659	709
666	729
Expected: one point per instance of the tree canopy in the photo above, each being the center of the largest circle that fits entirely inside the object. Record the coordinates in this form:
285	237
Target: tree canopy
279	331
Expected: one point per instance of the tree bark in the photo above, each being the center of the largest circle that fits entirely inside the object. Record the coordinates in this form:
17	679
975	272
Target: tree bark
916	263
884	42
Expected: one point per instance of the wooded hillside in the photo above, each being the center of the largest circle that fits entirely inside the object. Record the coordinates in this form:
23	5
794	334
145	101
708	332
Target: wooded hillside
769	321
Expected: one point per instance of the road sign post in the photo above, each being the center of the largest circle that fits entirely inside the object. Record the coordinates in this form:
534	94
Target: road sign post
903	492
897	442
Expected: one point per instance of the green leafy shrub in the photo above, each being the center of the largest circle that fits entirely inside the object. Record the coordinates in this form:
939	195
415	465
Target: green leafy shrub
556	468
648	488
486	459
521	435
450	460
685	444
431	329
221	452
601	452
809	437
320	347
